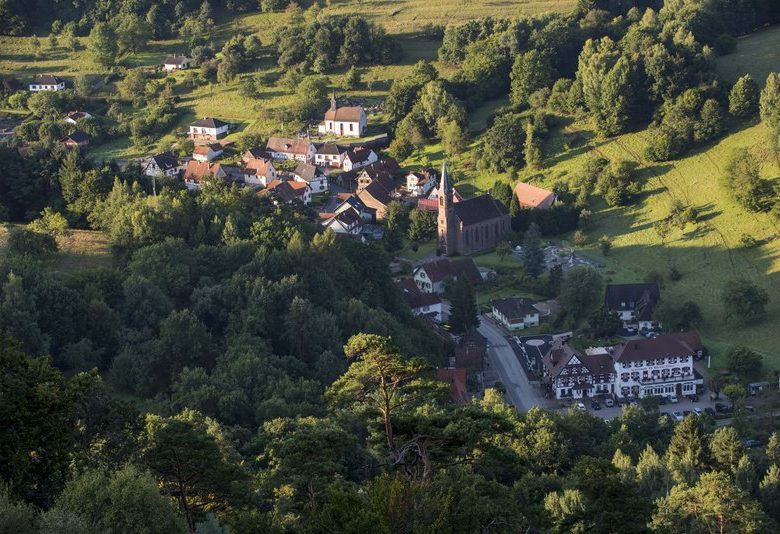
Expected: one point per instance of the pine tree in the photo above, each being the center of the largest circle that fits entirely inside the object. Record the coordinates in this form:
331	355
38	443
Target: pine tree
624	464
769	492
652	476
770	101
686	456
743	98
745	475
773	449
464	314
532	151
533	255
726	448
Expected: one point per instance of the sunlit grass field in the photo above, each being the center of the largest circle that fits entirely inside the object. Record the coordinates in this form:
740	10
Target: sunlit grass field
757	54
78	250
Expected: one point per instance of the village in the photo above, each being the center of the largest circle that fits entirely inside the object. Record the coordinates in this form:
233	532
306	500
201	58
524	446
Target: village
349	186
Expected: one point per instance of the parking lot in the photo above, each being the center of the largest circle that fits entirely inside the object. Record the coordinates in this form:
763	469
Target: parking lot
681	406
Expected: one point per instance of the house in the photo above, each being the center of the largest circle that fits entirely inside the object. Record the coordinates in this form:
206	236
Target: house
330	155
352	202
74	116
634	303
344	121
358	158
290	191
376	172
532	197
658	366
312	175
46	82
515	313
421	303
207	152
431	203
471	225
347	222
198	172
431	277
176	62
569	373
208	130
456	378
259	171
470	351
377	196
254	153
287	148
164	164
76	140
419	183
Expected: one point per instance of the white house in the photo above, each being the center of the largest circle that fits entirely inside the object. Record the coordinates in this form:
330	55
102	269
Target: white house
421	303
312	175
515	313
358	158
431	277
659	366
164	164
330	155
207	152
348	222
568	373
419	183
288	148
46	82
354	203
176	62
345	121
259	172
634	303
208	130
74	116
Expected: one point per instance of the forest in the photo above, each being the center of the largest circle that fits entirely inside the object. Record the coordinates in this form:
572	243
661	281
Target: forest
236	369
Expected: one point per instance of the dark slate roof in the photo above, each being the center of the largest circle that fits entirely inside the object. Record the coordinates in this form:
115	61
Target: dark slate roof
416	298
331	149
641	298
679	344
514	308
46	79
358	155
307	171
356	203
77	137
256	153
479	209
209	122
174	60
165	161
438	270
377	190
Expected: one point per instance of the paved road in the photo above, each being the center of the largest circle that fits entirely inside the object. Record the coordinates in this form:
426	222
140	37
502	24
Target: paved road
520	392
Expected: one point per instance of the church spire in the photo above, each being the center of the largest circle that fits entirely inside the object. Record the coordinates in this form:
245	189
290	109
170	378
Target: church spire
333	101
445	184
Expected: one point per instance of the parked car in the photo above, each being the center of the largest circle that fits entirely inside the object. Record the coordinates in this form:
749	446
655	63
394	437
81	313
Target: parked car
709	411
678	415
721	408
580	406
672	399
692	397
752	443
697	411
609	403
595	405
661	401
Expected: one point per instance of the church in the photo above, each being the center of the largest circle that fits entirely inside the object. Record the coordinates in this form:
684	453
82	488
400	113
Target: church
471	225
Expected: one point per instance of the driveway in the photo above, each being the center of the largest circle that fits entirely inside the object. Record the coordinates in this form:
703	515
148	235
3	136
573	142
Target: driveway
520	393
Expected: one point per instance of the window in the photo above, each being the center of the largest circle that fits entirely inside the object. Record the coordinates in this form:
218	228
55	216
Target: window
351	127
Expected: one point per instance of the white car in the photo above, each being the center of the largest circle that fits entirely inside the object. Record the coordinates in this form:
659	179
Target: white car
580	406
697	411
678	415
672	399
609	403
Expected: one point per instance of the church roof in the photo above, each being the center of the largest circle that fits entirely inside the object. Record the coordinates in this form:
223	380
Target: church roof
478	209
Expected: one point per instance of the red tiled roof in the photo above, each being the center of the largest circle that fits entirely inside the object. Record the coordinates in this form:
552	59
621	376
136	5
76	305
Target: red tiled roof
416	298
456	378
344	114
530	196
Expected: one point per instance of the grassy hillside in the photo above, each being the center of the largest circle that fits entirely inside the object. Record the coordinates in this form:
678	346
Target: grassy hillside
757	54
78	250
707	254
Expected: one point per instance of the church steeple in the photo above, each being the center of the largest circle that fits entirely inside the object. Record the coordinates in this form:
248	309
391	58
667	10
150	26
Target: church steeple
333	101
446	216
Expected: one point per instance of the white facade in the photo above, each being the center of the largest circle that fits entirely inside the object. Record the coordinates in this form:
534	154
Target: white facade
263	179
319	184
671	375
35	87
435	309
152	169
343	128
181	64
206	133
425	283
529	320
206	155
350	165
418	186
